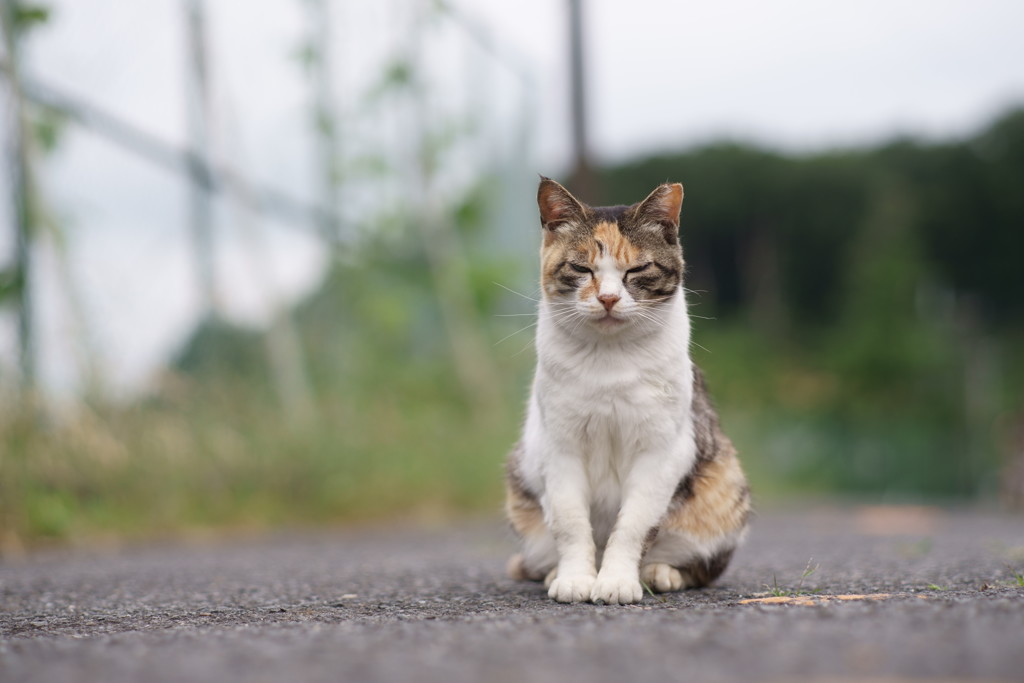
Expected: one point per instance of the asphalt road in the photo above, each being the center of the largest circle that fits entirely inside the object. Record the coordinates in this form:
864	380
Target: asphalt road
397	604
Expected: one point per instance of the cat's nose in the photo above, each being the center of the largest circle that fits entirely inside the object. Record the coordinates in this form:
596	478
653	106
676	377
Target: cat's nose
608	300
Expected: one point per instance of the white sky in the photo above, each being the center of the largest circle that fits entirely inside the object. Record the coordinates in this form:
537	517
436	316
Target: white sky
663	75
789	73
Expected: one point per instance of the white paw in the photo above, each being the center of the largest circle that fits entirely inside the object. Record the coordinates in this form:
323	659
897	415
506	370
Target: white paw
550	578
616	590
661	577
571	588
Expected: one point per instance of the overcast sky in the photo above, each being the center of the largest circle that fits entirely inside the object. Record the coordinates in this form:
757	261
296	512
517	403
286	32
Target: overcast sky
790	73
662	76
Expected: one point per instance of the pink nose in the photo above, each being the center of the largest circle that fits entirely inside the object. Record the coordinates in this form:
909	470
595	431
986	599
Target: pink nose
608	300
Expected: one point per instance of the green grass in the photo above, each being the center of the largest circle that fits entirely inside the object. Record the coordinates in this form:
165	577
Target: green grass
1017	576
659	598
775	591
233	462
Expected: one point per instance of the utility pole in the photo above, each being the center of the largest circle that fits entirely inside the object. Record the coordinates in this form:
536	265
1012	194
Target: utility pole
324	117
197	100
582	180
22	190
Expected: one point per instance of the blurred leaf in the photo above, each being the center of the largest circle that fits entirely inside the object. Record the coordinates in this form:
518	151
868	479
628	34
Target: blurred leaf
28	16
439	141
397	75
48	127
471	213
11	283
324	123
306	55
369	166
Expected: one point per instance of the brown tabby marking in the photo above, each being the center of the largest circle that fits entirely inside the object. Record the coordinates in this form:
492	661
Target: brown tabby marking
522	509
591	288
718	500
703	571
632	235
608	237
521	505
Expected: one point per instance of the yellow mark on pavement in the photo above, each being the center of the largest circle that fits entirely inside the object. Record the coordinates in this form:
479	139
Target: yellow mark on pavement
810	600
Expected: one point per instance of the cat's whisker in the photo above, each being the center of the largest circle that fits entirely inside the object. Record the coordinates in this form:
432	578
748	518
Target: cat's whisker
528	345
509	289
576	316
648	326
582	319
704	348
521	329
654	323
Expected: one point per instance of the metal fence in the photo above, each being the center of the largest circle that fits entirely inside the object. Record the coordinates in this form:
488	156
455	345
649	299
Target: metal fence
184	160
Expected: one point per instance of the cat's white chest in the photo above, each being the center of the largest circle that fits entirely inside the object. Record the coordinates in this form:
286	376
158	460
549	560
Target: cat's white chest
615	416
603	410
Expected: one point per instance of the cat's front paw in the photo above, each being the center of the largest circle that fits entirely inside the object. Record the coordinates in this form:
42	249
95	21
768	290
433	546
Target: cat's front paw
572	588
616	590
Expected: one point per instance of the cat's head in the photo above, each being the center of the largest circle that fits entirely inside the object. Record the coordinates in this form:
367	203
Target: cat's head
610	268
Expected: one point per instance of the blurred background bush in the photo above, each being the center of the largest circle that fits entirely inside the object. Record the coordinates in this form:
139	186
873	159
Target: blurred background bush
274	263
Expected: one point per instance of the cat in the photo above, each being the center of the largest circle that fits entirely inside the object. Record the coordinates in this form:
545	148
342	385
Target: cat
622	474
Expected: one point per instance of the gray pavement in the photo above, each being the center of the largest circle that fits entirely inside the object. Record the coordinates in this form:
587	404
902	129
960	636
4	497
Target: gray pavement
433	604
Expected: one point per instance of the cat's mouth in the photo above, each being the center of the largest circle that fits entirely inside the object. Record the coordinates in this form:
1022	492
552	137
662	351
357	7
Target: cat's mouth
609	320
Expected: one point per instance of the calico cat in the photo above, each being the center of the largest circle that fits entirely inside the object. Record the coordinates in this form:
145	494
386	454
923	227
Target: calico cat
622	473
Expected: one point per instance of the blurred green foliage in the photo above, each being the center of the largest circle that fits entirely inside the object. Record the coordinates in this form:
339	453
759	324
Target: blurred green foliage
392	433
858	313
868	305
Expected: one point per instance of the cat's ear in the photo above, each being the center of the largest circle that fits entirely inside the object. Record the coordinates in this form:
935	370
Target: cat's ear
557	207
661	210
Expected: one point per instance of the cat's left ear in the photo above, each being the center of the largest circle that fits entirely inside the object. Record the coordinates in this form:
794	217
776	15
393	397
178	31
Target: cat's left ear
661	210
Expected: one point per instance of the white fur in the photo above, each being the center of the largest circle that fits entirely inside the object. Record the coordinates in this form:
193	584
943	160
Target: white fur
608	435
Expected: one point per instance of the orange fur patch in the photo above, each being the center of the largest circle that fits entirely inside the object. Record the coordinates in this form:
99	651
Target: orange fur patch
609	235
523	513
714	509
606	236
590	289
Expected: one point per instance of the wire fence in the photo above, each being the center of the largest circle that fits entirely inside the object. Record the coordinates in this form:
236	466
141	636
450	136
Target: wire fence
234	206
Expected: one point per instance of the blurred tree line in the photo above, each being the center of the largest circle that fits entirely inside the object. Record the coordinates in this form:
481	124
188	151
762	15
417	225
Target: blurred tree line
870	301
865	316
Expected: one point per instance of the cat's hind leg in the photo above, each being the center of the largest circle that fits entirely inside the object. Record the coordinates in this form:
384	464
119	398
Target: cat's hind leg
707	521
696	572
661	577
539	556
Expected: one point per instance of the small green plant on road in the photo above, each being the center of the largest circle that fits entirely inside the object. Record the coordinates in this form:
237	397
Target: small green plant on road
777	592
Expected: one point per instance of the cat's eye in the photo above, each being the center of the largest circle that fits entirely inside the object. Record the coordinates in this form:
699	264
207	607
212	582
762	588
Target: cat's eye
639	268
580	269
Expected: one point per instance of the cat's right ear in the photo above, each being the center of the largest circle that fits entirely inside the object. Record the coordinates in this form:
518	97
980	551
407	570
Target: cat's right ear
558	208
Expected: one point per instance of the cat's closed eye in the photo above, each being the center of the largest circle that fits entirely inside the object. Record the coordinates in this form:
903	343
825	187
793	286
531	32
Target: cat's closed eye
638	269
580	269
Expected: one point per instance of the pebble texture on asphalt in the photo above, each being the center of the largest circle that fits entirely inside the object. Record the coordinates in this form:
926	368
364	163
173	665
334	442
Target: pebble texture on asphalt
434	605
